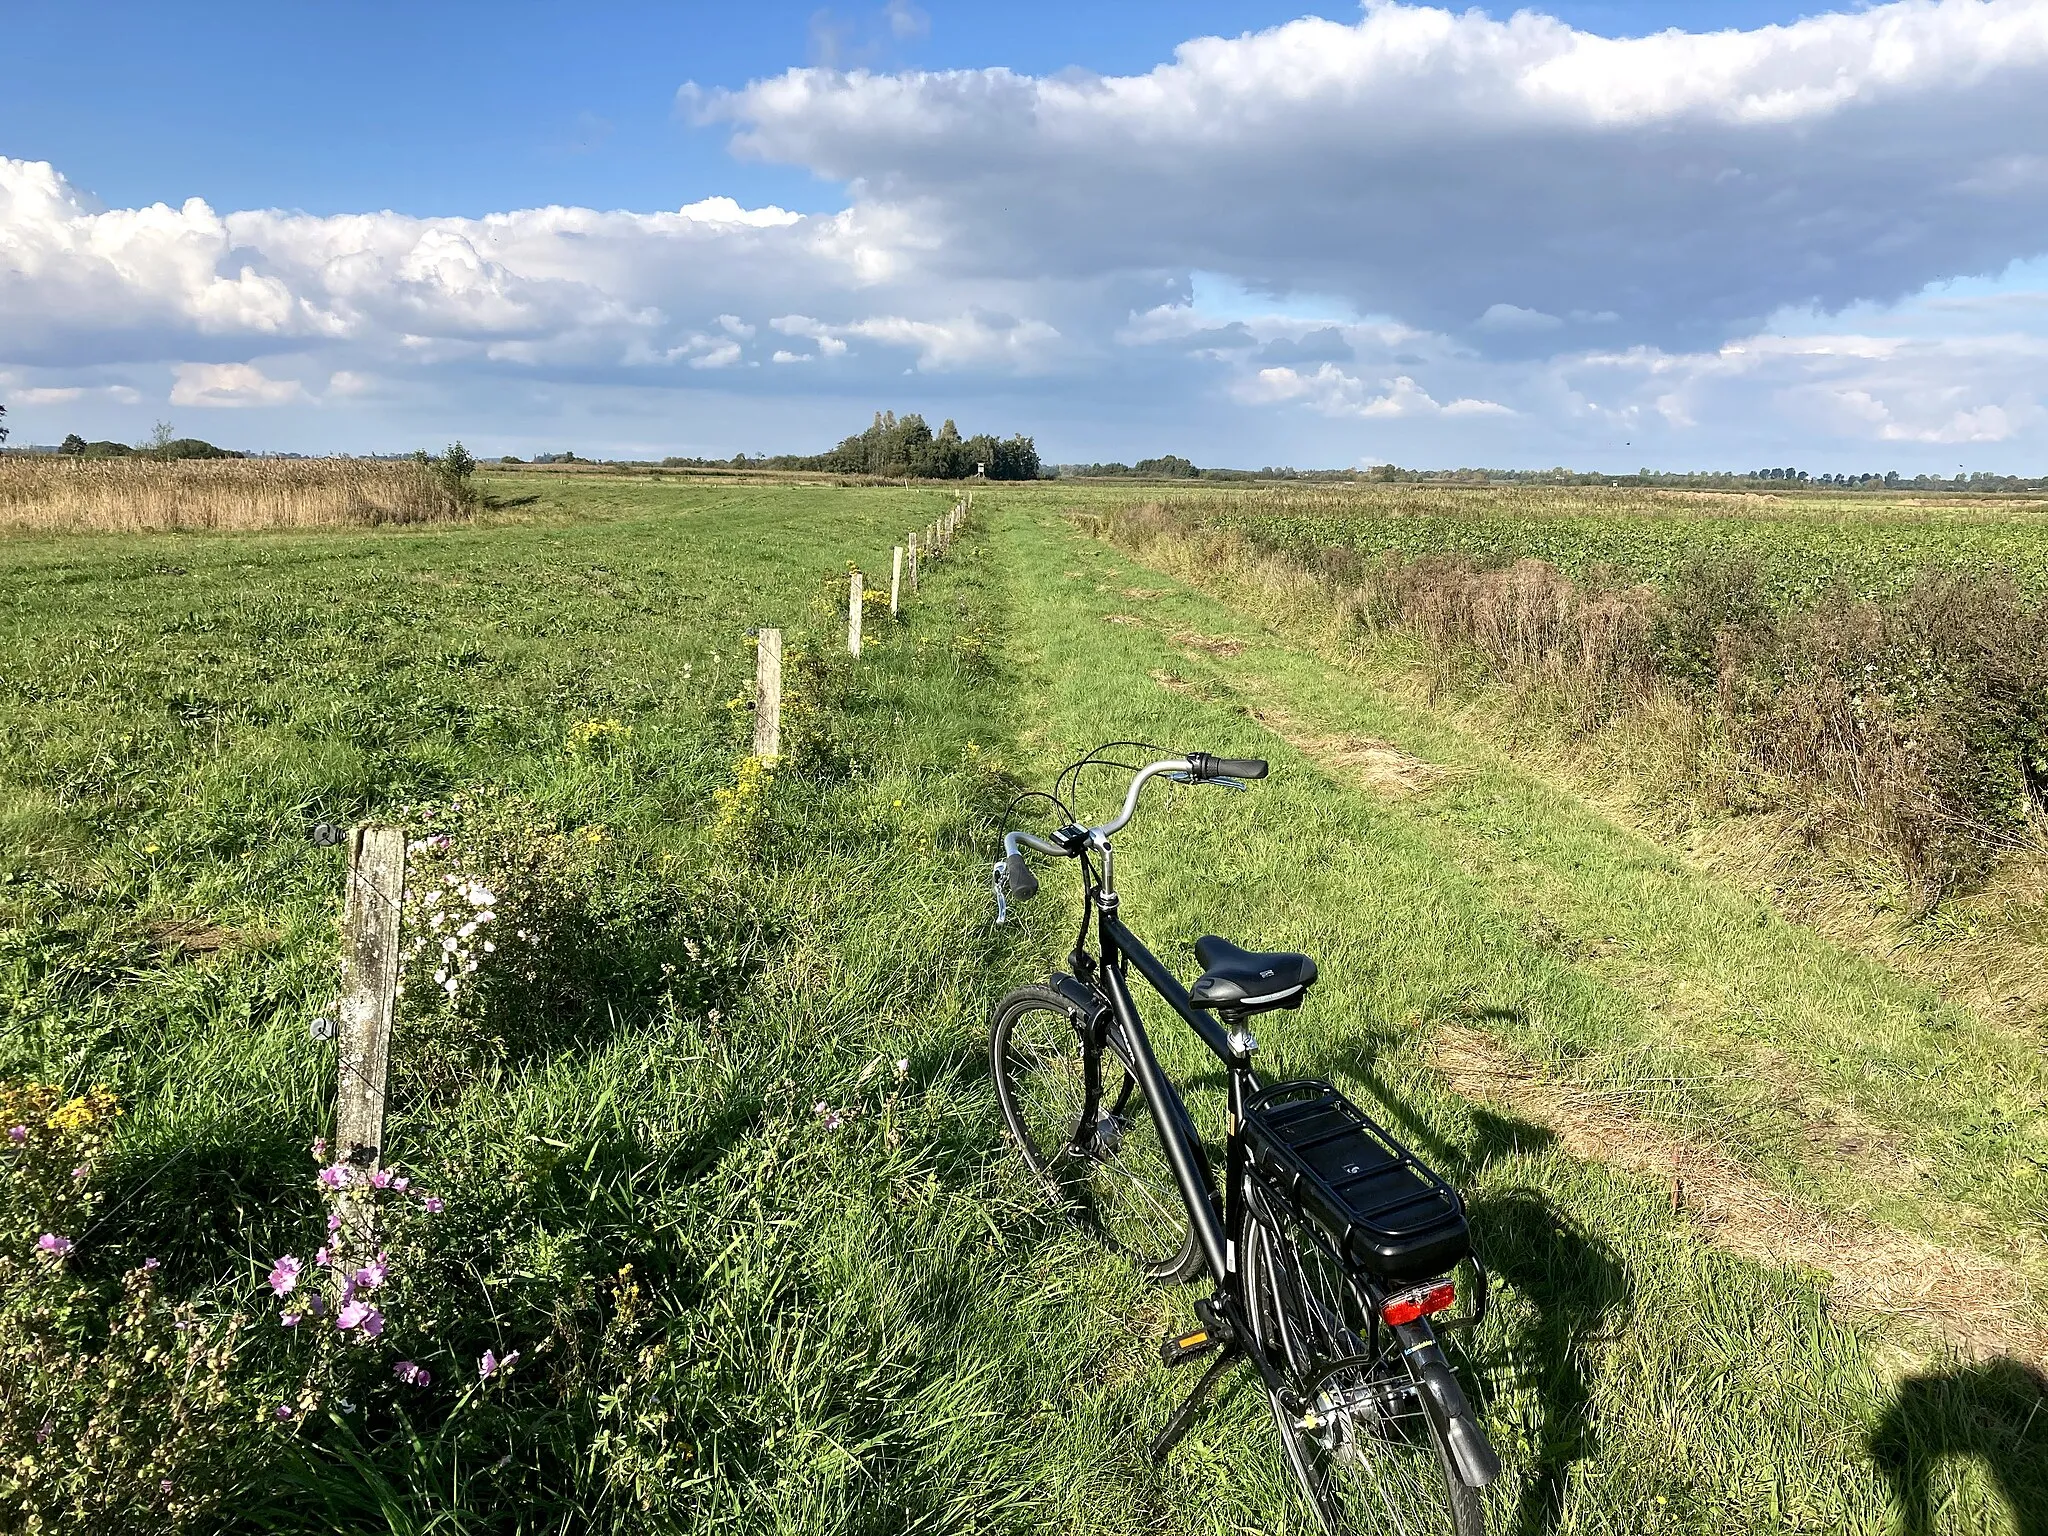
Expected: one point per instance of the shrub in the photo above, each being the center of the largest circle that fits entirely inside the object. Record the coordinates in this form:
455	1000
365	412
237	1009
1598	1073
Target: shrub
521	935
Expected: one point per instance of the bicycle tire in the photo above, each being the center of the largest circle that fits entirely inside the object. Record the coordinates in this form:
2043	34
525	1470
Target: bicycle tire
1123	1188
1382	1469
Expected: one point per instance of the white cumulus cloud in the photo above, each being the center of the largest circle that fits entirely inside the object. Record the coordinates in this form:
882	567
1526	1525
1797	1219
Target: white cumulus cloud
231	384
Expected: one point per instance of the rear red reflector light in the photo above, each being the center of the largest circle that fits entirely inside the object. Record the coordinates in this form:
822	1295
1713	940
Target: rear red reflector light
1420	1302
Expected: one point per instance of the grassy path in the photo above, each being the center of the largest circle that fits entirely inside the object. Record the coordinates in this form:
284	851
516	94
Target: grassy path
766	1257
1658	1373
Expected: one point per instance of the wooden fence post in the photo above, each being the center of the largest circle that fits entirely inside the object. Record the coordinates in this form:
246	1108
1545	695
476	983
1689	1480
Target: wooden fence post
896	581
768	695
913	562
855	586
369	971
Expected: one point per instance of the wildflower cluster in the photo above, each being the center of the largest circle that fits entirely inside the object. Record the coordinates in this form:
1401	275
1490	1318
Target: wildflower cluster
492	889
598	740
340	1296
454	933
340	1287
742	808
50	1143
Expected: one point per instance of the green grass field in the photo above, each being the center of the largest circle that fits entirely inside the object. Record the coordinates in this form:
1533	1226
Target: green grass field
765	1256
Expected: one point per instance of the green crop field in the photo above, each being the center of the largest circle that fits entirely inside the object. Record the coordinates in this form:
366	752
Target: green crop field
1803	546
720	1162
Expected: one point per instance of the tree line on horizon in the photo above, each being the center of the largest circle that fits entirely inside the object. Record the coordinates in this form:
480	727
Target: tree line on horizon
905	447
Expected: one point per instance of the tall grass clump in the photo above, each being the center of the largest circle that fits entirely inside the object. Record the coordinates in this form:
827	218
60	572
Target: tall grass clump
1915	720
62	494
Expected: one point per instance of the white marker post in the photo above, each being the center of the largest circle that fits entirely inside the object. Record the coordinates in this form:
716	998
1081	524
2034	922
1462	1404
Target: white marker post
768	695
369	998
854	587
896	581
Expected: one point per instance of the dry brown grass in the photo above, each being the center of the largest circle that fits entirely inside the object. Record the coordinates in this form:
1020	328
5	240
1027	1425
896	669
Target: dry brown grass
1976	1303
44	494
1378	765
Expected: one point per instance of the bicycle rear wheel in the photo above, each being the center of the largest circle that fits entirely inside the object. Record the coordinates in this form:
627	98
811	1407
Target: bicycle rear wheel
1112	1175
1359	1441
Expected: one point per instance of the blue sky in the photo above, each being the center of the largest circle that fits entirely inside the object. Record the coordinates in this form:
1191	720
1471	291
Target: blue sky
1312	245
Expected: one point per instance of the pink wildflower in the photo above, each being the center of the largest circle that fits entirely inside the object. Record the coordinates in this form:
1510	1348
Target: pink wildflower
334	1221
78	1172
490	1365
370	1276
380	1178
319	1148
316	1304
290	1319
55	1244
284	1274
152	1263
351	1314
411	1374
337	1175
17	1134
398	1185
324	1257
283	1410
432	1205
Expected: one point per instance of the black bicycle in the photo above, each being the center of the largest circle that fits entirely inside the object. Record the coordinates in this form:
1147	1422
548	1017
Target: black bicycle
1330	1245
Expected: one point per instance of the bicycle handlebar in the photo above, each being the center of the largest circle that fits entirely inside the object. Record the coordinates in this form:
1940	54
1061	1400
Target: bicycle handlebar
1013	876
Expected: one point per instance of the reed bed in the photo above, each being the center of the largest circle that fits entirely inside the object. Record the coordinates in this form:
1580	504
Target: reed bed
137	495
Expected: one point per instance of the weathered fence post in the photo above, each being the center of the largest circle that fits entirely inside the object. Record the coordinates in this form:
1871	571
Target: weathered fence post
913	562
896	581
768	695
855	587
369	997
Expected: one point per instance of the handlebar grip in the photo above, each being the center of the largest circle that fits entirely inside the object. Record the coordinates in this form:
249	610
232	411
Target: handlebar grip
1017	877
1207	767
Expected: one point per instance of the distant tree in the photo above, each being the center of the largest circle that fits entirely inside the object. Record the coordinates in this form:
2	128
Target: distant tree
73	444
161	436
3	423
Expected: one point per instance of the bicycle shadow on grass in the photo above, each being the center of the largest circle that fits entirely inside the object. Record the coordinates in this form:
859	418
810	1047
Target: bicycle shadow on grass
1993	1412
1571	1282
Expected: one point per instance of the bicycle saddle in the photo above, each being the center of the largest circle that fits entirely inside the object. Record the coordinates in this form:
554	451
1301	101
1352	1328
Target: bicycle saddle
1246	981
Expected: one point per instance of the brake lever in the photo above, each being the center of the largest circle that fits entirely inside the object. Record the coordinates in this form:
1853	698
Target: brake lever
1002	894
1237	786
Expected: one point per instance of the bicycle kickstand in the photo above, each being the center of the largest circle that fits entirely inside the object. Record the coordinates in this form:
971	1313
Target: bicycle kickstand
1184	1416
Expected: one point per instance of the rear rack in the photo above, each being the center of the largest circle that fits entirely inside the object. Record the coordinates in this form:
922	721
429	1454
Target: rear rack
1383	1207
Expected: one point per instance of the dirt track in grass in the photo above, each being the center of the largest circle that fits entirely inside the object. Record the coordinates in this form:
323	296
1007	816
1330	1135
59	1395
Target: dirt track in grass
1974	1303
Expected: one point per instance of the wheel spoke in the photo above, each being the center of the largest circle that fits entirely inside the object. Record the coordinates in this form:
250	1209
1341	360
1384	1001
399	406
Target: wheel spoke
1363	1447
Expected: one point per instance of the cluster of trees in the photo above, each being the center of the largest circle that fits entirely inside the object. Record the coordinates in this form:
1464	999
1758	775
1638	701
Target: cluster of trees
169	448
906	448
1167	467
161	445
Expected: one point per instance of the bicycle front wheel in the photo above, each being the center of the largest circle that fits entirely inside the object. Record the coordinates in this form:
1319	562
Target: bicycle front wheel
1105	1166
1359	1441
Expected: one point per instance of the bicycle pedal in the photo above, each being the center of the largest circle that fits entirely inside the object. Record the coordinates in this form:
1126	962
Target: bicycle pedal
1187	1346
